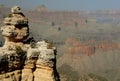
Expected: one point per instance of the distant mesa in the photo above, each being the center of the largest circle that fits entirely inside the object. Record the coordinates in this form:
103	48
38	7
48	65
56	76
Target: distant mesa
42	8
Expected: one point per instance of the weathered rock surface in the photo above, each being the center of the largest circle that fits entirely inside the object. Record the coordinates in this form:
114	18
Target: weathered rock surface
15	27
21	61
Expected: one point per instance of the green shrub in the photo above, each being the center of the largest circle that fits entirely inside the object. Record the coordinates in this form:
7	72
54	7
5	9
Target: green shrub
10	15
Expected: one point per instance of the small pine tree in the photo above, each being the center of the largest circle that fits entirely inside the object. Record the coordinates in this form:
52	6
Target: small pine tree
53	24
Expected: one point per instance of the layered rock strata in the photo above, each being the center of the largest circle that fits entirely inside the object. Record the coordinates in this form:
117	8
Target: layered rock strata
20	61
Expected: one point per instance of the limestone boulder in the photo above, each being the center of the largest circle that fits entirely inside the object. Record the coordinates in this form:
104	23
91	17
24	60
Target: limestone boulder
16	10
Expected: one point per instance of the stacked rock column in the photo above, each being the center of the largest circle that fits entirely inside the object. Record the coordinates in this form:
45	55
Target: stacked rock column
15	27
25	62
41	62
46	63
12	54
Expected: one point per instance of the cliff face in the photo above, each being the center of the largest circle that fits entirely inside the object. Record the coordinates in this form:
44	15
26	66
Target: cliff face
88	47
20	61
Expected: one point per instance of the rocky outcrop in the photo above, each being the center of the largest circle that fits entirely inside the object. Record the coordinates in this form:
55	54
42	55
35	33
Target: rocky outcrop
15	27
25	61
40	63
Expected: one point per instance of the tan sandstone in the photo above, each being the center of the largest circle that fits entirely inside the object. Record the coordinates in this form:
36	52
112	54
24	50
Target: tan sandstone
20	61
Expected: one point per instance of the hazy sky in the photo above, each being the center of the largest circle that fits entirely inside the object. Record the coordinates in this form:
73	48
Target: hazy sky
66	4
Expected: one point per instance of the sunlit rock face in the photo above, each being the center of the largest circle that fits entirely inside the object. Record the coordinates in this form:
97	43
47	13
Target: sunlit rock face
15	27
20	61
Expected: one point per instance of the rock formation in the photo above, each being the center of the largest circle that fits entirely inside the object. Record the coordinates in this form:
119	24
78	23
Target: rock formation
20	61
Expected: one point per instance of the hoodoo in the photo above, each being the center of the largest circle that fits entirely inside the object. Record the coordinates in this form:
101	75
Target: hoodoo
20	61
